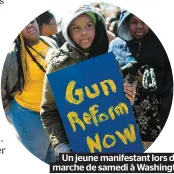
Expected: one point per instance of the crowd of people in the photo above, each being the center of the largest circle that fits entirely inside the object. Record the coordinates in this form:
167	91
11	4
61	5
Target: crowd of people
42	48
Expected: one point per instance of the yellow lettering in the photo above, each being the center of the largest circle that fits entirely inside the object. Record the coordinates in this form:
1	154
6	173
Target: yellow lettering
105	144
87	118
73	118
111	113
124	106
105	88
130	135
121	109
93	112
96	91
78	92
94	144
103	117
93	117
76	96
109	140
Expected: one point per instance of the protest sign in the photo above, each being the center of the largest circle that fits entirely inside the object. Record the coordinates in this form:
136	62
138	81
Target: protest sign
96	115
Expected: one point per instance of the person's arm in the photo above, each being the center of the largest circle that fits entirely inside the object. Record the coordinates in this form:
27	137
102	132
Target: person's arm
129	89
8	78
110	35
4	93
120	50
50	117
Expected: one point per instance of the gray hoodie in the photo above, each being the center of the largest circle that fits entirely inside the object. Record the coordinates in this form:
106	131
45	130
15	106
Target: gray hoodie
73	15
123	29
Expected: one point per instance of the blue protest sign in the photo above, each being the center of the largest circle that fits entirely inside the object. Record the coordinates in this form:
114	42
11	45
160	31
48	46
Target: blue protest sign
96	115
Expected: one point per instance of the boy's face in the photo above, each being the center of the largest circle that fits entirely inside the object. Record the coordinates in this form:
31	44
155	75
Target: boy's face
137	27
82	31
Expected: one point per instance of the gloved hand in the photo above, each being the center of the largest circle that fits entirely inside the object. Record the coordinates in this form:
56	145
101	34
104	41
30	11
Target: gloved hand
62	148
131	67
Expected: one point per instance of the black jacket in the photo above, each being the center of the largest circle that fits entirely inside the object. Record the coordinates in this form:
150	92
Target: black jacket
150	51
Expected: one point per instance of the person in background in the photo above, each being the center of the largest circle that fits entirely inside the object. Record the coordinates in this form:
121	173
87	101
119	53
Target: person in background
113	26
86	36
111	36
111	12
48	25
60	38
21	89
97	6
143	58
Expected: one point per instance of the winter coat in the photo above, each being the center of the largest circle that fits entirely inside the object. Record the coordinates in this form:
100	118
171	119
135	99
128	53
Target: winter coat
147	51
68	54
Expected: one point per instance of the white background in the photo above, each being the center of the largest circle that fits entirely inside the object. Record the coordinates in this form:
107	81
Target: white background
16	14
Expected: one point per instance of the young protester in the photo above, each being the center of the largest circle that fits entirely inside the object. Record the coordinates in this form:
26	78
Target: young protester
142	56
86	36
21	89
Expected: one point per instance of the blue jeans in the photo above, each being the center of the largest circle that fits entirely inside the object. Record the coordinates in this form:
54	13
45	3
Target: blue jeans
31	132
